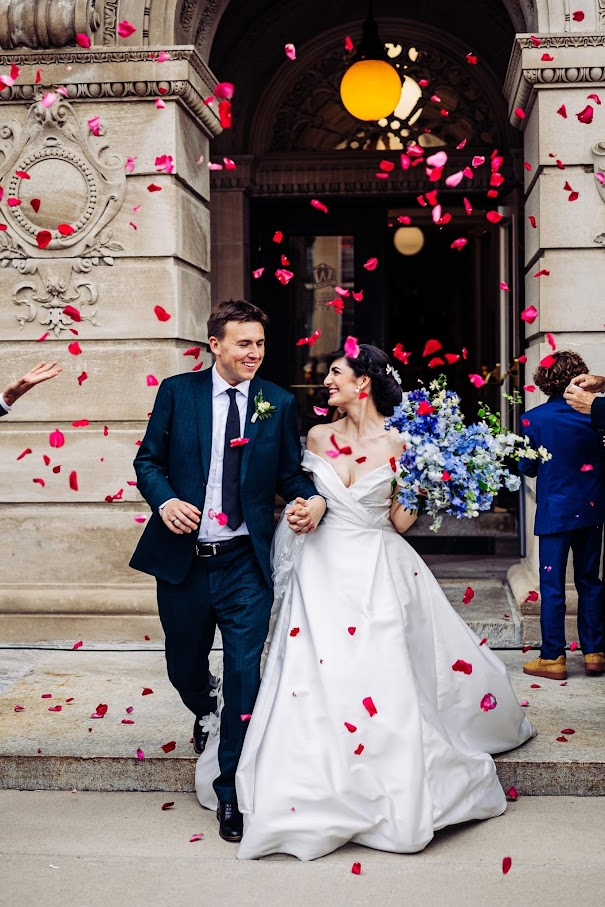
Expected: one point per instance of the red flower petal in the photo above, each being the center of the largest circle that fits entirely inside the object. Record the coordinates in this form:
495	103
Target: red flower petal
168	805
548	361
43	237
463	667
294	631
193	351
238	442
585	116
225	115
356	869
74	348
161	314
506	864
127	721
66	229
147	691
19	708
535	686
512	793
371	264
152	381
568	730
78	645
46	696
578	16
153	187
369	706
431	346
73	480
494	217
573	646
558	739
315	203
169	747
350	727
24	453
352	630
55	708
532	596
359	750
468	595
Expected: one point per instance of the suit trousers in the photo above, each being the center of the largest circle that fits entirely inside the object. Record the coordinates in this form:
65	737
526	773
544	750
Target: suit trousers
554	549
228	591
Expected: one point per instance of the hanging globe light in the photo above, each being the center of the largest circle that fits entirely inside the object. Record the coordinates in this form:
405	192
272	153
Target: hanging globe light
371	87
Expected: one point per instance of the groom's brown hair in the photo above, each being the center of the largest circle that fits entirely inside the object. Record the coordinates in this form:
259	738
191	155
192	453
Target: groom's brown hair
233	310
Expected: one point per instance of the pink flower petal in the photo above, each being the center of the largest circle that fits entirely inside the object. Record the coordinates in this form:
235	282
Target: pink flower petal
369	706
320	410
351	347
512	793
152	381
197	837
315	203
140	754
529	314
238	442
125	29
246	717
82	40
524	703
587	467
477	380
94	124
488	702
548	361
290	51
586	115
224	91
573	646
370	264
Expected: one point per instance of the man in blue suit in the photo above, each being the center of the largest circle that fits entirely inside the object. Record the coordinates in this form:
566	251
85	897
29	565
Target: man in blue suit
570	498
219	445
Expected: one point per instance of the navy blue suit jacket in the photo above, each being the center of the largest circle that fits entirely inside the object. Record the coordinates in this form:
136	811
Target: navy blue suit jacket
597	414
174	459
566	497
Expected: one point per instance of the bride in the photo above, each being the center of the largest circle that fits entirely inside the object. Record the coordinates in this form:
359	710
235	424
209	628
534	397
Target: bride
378	707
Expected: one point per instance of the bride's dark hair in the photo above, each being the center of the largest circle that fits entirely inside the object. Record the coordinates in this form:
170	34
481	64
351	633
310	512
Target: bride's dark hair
384	390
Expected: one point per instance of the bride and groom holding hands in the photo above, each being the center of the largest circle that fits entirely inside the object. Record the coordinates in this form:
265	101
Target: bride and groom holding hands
378	708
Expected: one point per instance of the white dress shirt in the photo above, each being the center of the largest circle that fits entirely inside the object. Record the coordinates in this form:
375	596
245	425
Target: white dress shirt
3	405
210	530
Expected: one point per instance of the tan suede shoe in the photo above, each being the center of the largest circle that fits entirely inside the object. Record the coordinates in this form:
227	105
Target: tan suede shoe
547	667
594	663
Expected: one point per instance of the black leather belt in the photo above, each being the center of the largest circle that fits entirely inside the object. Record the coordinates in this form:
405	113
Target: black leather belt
214	549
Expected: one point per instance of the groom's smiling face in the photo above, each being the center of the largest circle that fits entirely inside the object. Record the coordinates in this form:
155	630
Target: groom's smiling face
240	351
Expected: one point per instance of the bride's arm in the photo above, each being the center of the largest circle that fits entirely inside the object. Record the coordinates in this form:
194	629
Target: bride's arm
402	519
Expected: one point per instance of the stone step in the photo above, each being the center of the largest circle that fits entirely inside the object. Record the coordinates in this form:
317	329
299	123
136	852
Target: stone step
62	750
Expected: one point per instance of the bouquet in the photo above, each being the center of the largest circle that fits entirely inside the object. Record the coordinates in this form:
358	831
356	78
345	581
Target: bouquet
447	466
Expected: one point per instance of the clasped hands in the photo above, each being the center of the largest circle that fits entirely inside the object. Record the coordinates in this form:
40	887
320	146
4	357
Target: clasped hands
304	515
582	390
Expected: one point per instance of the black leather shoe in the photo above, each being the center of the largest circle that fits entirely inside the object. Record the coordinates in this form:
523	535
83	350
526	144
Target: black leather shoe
200	738
231	821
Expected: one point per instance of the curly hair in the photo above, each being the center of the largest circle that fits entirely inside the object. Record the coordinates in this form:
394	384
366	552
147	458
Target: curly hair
384	390
553	380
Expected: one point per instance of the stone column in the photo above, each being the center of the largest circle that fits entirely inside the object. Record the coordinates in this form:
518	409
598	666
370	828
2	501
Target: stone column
552	84
104	266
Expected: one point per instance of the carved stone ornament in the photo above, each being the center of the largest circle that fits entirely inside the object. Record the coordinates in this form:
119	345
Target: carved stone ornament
43	24
53	172
598	154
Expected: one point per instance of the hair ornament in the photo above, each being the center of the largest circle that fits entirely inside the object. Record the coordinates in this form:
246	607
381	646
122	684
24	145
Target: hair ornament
394	373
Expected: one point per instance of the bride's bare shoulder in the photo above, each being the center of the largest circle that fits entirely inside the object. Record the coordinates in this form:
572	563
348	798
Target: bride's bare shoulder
317	436
395	441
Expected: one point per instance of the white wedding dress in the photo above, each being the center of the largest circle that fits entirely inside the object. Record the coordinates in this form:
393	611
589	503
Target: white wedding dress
362	731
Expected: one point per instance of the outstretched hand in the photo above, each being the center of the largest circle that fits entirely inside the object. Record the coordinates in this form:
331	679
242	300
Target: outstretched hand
304	516
41	372
593	383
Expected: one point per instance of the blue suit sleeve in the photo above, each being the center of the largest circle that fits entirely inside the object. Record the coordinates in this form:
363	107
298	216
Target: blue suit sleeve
597	414
291	481
151	462
529	467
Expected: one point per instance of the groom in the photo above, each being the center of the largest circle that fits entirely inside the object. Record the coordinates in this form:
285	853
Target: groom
219	445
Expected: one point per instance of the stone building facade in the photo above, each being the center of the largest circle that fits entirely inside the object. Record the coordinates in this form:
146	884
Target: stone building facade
135	187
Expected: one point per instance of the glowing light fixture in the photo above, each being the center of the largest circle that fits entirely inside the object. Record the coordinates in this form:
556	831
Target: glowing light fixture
408	240
371	87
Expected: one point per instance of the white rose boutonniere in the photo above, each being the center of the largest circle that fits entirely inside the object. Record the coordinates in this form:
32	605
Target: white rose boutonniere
262	408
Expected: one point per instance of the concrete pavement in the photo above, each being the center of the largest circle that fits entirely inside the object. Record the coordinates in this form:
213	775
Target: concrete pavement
62	849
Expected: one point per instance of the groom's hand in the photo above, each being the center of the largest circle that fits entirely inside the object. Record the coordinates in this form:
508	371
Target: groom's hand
304	516
180	517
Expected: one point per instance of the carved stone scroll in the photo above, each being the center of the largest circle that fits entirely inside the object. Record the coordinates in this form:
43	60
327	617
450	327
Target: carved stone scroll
38	23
